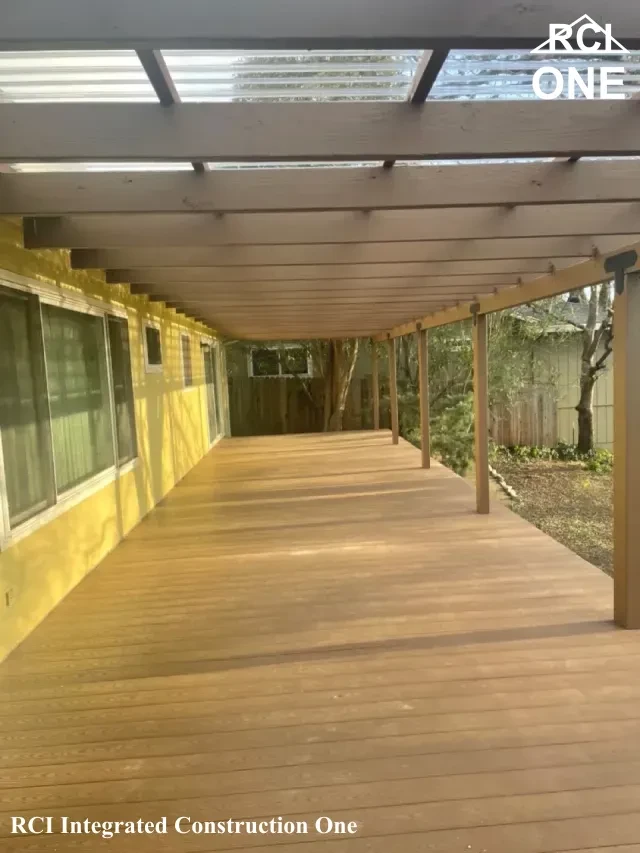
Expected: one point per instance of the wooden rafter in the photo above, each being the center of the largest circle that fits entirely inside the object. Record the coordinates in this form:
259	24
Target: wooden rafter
429	67
345	254
160	78
365	273
317	131
575	277
304	24
310	190
195	229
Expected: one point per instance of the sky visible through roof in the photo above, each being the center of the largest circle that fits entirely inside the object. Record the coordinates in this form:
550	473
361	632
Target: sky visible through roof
310	76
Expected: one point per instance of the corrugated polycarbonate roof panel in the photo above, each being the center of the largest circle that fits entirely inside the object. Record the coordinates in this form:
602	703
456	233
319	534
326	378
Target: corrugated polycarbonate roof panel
504	75
289	76
86	75
120	166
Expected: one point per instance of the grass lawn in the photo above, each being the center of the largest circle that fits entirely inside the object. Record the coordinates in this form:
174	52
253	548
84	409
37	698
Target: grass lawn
571	504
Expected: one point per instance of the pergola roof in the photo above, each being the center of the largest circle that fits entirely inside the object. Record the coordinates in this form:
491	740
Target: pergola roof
288	170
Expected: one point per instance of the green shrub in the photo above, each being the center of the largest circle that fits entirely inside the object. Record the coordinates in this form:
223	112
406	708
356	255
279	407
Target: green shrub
600	461
452	435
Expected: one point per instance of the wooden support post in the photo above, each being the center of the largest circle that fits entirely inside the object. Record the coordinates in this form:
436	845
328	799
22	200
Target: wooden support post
626	445
481	410
393	390
375	385
423	369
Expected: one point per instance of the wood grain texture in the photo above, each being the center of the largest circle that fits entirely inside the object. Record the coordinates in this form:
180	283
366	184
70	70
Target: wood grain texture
283	190
280	132
626	491
305	24
572	278
201	229
314	624
339	253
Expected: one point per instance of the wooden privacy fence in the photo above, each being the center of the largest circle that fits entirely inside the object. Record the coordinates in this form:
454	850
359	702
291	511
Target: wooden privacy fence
531	421
272	406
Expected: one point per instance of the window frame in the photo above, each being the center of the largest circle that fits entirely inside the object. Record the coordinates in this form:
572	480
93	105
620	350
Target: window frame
56	296
152	368
186	386
280	374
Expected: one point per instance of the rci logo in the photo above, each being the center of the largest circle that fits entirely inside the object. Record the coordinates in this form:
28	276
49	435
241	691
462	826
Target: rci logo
591	39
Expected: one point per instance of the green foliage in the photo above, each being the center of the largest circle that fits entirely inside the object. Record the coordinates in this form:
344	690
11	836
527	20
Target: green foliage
599	461
511	363
452	435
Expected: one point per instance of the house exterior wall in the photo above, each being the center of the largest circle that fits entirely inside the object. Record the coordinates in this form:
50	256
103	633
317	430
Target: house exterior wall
43	561
562	359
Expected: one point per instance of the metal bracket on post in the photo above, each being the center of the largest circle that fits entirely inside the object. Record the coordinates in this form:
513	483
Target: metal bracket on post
474	308
618	265
418	326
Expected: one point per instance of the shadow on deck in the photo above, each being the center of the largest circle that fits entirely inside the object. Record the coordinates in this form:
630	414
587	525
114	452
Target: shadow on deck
312	625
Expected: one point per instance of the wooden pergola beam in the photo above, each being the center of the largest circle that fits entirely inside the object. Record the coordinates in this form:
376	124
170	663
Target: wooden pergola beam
429	67
375	386
393	390
304	24
200	229
626	438
481	412
317	131
423	393
160	78
573	278
407	273
335	254
297	190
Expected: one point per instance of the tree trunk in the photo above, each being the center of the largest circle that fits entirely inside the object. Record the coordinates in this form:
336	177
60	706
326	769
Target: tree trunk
341	362
585	412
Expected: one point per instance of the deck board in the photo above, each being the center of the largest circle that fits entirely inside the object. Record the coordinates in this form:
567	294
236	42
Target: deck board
315	625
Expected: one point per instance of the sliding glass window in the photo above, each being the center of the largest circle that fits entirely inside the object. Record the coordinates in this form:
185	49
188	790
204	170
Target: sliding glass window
67	408
122	389
75	354
24	409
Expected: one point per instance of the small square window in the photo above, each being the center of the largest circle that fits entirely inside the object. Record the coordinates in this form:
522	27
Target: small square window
294	361
153	349
187	368
265	362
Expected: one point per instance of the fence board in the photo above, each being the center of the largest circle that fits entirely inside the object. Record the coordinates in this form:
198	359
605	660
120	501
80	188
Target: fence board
273	406
531	420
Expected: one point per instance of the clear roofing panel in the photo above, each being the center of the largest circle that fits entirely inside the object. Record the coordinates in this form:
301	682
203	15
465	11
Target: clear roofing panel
504	75
308	76
120	166
216	75
84	75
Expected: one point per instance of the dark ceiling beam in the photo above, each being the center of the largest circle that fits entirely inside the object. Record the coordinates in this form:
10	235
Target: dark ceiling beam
424	80
302	24
160	78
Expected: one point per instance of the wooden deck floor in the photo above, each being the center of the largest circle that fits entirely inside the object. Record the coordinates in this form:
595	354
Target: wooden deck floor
312	625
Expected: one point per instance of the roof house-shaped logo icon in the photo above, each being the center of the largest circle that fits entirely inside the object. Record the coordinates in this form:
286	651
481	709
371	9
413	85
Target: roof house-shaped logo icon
588	35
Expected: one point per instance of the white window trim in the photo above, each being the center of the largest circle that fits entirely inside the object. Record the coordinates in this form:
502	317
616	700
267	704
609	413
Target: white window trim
55	295
193	385
152	368
52	294
280	374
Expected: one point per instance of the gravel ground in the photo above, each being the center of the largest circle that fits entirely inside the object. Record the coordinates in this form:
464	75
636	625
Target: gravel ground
571	504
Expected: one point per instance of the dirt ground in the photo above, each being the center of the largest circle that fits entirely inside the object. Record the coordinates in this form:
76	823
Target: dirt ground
567	502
